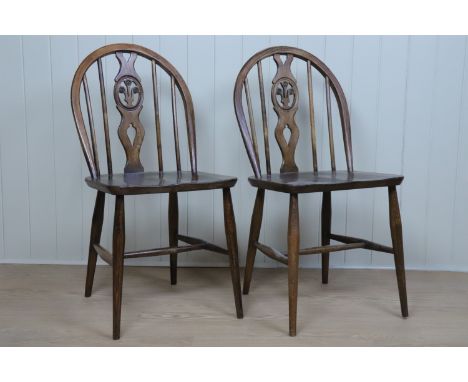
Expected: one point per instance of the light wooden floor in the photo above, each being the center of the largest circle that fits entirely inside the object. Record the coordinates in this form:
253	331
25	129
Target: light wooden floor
44	306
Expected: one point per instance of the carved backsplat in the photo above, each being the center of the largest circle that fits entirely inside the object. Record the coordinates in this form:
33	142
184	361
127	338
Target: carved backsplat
285	97
128	95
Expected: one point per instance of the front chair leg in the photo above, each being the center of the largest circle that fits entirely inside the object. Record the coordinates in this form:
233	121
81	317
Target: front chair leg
173	216
118	247
293	261
231	239
397	241
326	229
95	238
255	226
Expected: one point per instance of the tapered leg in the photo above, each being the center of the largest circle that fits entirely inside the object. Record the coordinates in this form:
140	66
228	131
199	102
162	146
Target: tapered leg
118	247
255	225
231	239
397	241
96	229
293	261
173	216
326	229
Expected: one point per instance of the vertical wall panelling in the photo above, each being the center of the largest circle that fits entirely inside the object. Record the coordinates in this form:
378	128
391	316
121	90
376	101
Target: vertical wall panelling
14	153
41	160
201	81
364	109
227	148
408	98
148	219
460	212
173	48
67	151
390	130
443	154
339	58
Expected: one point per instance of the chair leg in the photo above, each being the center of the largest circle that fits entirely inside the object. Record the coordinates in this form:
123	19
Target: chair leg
397	241
326	229
173	216
293	261
118	248
255	226
95	238
231	239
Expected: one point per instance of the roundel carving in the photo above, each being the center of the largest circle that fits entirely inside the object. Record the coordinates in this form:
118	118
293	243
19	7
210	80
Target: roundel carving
128	92
284	93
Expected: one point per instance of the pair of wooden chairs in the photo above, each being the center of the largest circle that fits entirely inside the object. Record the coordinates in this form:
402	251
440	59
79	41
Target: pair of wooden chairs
128	95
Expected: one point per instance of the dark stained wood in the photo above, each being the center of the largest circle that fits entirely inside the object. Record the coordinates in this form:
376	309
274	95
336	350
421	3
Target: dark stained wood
157	119
175	124
272	253
293	261
105	116
255	225
92	130
231	239
253	131
397	242
173	219
104	254
313	132
367	244
264	118
118	248
323	181
128	94
95	238
153	182
284	96
326	230
289	53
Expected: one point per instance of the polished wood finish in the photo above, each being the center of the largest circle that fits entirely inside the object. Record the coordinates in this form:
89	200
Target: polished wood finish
96	229
290	180
397	242
293	261
129	97
118	248
326	230
255	226
231	239
173	219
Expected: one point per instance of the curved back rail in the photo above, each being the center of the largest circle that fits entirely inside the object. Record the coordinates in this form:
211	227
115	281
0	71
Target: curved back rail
285	100
128	94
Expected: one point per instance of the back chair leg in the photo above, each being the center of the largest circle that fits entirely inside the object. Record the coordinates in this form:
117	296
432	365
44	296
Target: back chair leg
118	248
326	229
95	238
293	261
255	226
231	239
173	215
397	241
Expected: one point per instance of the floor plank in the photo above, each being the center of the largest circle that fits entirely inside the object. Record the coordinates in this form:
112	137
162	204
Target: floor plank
43	305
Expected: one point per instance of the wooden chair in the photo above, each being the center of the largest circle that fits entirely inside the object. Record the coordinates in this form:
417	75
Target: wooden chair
284	98
128	96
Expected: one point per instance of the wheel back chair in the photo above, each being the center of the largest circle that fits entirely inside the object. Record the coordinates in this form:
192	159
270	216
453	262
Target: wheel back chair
285	102
128	96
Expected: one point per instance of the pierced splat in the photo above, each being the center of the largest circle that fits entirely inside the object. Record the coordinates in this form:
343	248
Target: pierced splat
285	96
128	95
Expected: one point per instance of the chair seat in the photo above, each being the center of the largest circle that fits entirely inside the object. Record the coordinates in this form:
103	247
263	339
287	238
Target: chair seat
153	182
321	181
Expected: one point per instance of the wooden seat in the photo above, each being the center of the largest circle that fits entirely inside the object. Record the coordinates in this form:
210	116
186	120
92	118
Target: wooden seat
321	181
128	96
154	182
284	95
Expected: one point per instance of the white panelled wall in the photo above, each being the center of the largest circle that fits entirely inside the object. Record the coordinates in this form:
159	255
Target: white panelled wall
408	98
